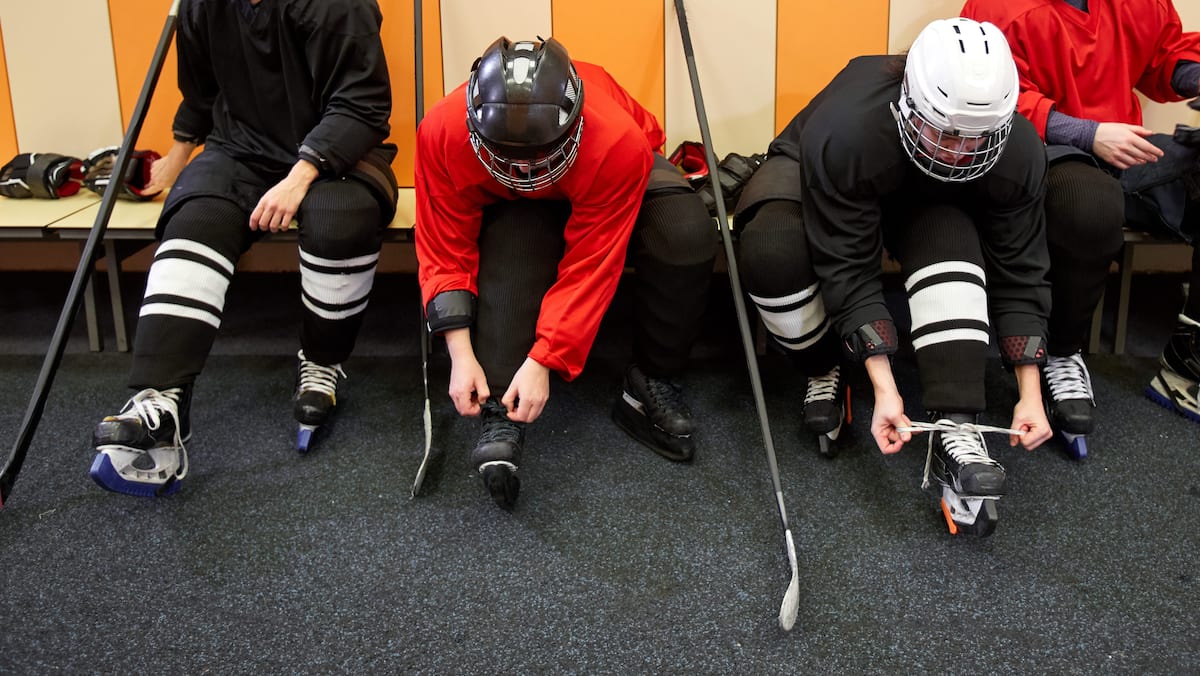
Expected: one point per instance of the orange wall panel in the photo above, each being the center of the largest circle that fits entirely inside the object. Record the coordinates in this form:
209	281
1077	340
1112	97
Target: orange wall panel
399	44
815	40
8	129
623	36
136	27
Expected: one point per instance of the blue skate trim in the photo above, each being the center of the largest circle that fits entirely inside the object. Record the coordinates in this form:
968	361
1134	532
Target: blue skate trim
304	437
103	473
1076	445
1157	397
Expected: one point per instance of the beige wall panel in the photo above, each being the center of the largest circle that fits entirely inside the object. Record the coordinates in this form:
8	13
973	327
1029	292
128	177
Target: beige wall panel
908	17
468	26
50	85
734	43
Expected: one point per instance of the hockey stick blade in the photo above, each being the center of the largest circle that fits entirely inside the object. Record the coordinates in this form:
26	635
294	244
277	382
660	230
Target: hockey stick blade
41	389
787	612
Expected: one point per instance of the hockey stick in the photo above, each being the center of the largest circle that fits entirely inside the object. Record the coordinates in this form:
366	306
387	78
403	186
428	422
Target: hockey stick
791	599
419	58
41	390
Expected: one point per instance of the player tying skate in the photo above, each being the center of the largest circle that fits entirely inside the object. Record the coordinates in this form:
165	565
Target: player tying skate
292	119
921	154
532	180
1079	64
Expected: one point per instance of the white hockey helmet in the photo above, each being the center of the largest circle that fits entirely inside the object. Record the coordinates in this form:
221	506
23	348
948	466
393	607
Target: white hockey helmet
957	99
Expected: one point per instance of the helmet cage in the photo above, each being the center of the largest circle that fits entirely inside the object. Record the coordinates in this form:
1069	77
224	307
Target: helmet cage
927	144
532	174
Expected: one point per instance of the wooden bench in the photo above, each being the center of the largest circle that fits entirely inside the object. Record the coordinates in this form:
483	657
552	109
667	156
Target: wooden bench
130	229
1135	242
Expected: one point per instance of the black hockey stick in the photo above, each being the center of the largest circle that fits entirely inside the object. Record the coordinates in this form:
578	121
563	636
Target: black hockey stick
41	390
419	58
791	599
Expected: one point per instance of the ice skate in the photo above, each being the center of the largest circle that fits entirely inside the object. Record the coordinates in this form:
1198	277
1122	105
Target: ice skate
1071	404
971	481
826	409
140	450
1175	386
315	398
498	452
652	411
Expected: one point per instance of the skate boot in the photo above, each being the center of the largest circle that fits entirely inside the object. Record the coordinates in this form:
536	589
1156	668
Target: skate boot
498	452
140	450
1070	404
652	411
826	408
315	398
971	481
1175	387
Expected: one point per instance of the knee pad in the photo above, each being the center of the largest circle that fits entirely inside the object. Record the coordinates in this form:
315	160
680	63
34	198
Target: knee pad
340	220
1084	204
773	253
676	228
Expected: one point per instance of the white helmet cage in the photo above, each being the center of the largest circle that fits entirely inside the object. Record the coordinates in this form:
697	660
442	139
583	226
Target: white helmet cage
957	99
524	112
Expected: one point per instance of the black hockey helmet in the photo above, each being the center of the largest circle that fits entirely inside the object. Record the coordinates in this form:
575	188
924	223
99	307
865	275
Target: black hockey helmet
524	112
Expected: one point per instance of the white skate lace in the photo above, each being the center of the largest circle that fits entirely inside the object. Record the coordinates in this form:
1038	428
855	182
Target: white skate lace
314	377
1068	378
962	441
823	388
149	406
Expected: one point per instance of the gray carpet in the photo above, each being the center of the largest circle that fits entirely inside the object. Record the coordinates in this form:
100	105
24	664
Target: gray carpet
615	561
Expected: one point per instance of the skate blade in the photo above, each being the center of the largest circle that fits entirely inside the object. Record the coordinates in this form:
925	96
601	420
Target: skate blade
969	516
304	437
500	480
636	425
1172	393
106	475
1076	445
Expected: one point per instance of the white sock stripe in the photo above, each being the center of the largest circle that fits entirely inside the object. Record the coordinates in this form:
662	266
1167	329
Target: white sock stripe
795	323
335	289
948	301
804	345
181	311
950	336
187	279
797	297
192	246
943	268
333	314
357	261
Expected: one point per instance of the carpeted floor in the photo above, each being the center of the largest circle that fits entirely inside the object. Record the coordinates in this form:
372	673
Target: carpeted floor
615	561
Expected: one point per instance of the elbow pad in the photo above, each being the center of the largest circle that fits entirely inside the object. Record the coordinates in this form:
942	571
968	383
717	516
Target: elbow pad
878	337
1018	350
450	310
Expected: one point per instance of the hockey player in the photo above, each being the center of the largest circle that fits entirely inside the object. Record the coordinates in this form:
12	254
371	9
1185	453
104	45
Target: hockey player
1080	62
922	155
291	101
532	180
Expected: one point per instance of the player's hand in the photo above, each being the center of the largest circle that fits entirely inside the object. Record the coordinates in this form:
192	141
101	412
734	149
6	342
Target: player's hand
468	385
528	393
1030	418
1124	145
166	169
887	417
279	205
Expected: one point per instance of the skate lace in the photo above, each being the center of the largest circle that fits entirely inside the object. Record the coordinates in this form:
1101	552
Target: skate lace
496	427
961	441
151	407
823	388
666	395
1068	378
314	377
